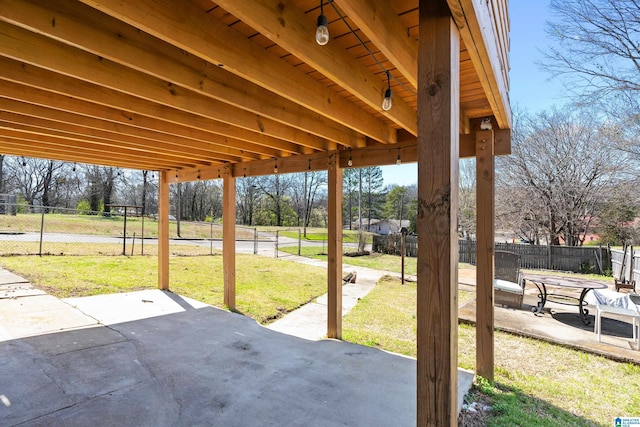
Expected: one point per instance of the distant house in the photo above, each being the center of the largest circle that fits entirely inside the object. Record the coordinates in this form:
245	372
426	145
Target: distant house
382	226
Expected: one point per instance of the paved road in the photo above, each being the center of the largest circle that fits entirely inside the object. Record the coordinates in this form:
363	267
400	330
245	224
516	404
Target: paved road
265	245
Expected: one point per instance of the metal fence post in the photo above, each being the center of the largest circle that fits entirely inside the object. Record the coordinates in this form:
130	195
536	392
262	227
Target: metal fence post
124	234
299	240
41	231
276	245
255	241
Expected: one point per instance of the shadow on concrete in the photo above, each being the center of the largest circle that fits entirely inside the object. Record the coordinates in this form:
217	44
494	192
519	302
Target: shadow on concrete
199	366
562	325
612	327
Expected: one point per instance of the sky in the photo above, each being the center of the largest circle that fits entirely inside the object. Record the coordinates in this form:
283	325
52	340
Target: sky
531	88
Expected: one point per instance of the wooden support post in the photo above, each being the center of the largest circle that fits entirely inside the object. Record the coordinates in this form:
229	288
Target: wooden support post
485	196
229	240
438	155
163	231
334	250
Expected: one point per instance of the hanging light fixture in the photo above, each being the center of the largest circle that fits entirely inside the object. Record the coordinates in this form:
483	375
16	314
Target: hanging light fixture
386	102
24	162
350	162
322	32
398	161
275	169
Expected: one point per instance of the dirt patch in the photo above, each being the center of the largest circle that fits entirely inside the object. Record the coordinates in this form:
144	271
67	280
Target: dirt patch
475	412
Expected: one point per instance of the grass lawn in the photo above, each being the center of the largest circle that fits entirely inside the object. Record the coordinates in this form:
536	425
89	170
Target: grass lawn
375	260
320	234
266	288
80	247
537	383
111	226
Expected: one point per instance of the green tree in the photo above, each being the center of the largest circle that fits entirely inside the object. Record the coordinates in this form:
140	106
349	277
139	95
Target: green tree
350	195
372	187
397	204
615	223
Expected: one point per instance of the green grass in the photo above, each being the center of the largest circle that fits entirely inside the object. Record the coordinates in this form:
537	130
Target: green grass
110	226
9	248
375	260
536	383
320	234
266	288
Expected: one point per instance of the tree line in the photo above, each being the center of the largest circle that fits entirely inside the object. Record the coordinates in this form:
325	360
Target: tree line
297	200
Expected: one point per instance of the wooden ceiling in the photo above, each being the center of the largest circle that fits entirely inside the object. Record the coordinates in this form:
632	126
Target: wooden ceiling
195	86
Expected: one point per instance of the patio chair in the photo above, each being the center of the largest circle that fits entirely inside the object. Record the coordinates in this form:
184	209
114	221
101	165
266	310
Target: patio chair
508	283
616	303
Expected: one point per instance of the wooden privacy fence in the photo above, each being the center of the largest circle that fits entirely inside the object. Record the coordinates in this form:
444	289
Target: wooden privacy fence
392	243
578	259
629	270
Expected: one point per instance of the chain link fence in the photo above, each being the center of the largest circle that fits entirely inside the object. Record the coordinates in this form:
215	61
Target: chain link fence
46	230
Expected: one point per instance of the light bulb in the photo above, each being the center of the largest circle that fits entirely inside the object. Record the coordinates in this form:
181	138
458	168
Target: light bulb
398	161
350	162
387	102
322	32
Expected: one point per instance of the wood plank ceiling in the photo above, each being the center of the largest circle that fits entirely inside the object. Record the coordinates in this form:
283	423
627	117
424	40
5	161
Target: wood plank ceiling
196	86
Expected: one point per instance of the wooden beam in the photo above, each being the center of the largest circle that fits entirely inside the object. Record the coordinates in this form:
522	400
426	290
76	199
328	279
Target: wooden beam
77	148
485	196
383	27
36	149
114	142
334	250
163	231
191	29
292	29
130	108
502	145
480	34
22	45
229	239
180	140
438	121
87	28
375	154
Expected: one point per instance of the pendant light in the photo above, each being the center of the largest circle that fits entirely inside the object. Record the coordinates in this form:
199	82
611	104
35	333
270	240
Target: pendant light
386	102
322	32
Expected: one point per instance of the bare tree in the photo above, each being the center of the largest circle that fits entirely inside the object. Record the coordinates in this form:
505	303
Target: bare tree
34	178
561	165
2	186
467	198
276	188
306	187
598	51
248	196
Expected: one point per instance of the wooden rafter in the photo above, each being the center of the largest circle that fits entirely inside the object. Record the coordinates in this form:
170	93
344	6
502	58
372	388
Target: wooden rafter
204	36
292	29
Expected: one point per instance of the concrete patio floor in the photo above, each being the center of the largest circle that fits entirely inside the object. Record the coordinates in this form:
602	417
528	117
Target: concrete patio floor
559	324
154	358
